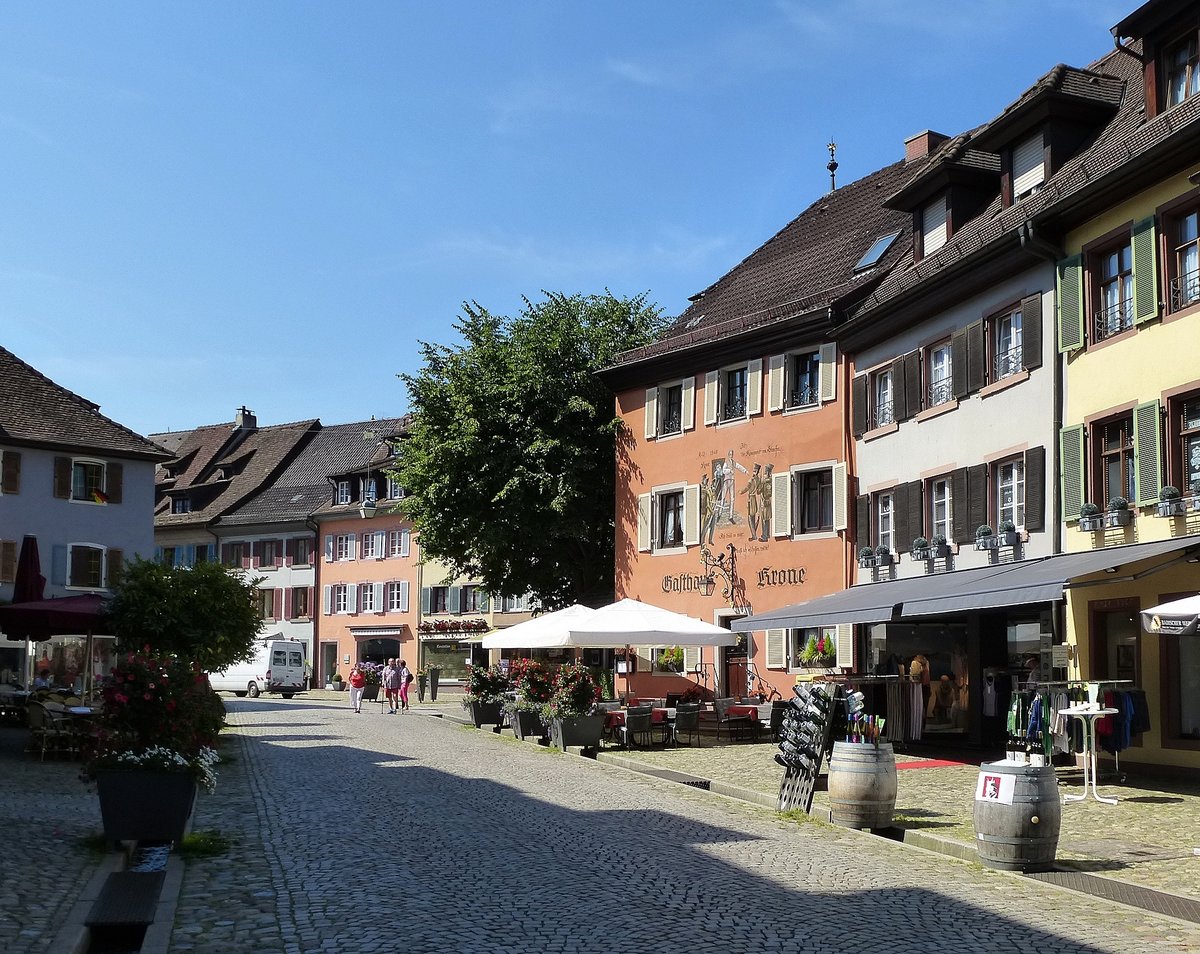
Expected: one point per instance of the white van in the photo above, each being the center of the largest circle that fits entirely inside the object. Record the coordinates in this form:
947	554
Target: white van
279	665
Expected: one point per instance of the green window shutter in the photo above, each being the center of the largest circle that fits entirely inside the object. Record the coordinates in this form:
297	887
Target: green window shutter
1070	303
1070	444
485	603
776	641
1145	272
1147	448
454	602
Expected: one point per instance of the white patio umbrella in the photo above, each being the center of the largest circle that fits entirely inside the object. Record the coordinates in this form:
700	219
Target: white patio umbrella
633	623
548	631
1176	618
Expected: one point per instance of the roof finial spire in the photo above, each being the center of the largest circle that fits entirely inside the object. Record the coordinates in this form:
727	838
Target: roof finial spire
832	166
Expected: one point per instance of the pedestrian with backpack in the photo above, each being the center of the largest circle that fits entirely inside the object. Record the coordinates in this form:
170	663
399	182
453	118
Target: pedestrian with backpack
406	677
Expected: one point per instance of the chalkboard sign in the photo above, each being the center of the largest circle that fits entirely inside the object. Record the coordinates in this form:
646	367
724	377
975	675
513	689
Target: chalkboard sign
804	739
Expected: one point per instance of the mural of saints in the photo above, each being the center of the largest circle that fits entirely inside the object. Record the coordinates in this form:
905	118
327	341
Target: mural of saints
718	496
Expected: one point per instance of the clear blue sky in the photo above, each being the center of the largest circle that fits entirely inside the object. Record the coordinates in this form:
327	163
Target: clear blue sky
205	205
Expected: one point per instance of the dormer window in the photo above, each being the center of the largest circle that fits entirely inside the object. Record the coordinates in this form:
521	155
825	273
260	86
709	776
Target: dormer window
181	505
342	492
1181	61
934	222
1028	167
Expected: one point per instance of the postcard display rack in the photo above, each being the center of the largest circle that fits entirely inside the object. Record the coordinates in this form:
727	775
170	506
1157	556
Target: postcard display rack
804	738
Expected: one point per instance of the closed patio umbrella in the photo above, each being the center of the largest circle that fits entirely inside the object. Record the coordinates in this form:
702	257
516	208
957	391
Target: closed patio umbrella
28	584
1176	618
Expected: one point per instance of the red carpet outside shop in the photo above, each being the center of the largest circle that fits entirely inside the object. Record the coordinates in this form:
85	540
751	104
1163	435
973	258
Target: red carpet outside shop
931	763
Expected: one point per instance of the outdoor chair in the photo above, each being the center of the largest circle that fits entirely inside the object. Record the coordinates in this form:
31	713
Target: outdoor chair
673	699
46	731
638	726
730	723
687	722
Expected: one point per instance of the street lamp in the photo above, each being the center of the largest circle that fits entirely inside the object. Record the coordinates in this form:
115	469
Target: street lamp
368	506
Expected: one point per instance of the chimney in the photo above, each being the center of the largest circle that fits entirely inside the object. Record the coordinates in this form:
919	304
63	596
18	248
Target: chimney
245	419
922	144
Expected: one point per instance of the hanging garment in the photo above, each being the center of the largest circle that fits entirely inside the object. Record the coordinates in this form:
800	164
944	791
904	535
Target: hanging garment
917	711
989	696
1141	712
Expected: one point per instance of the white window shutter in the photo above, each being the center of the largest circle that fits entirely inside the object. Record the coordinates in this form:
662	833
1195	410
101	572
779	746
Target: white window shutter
776	372
828	372
691	515
754	385
688	403
329	548
1028	165
845	646
645	656
781	505
380	544
352	549
776	649
711	383
691	658
643	523
405	542
651	412
841	504
378	597
327	599
933	225
404	596
351	598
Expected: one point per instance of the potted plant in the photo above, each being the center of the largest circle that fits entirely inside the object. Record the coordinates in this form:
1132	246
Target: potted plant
920	550
534	685
939	546
1089	518
1119	514
153	745
571	711
819	651
336	681
671	659
373	673
866	558
486	686
435	673
1170	501
883	555
985	538
422	682
1009	537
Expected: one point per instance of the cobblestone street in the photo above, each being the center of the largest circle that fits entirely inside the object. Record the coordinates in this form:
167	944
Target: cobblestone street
379	833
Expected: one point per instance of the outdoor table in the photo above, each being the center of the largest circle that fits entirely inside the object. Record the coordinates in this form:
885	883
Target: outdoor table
1088	716
616	717
750	712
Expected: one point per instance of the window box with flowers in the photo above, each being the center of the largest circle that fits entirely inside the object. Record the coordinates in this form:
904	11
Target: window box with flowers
922	549
985	538
1119	514
866	558
486	687
819	652
671	659
435	627
1089	518
1008	535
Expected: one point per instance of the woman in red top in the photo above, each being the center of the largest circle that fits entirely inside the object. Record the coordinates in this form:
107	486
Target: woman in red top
357	683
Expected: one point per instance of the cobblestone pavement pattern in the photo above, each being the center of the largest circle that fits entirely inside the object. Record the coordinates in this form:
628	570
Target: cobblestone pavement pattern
372	833
45	859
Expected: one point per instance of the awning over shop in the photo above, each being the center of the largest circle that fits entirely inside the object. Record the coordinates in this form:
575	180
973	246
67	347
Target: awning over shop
1005	584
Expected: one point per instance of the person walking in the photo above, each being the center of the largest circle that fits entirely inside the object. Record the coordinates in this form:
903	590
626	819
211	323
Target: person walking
358	682
406	677
391	685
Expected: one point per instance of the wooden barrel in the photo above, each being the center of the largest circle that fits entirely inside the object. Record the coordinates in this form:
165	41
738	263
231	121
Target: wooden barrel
1017	816
862	784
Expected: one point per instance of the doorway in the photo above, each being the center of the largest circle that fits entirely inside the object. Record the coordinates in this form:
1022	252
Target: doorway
733	662
328	662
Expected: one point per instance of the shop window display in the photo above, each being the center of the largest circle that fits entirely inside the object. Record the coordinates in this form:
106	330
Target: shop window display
933	657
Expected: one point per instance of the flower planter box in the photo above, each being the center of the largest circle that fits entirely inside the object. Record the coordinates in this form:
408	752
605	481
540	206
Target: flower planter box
582	731
866	563
1172	508
987	543
1118	518
486	713
145	805
1009	538
435	673
527	726
1090	524
1194	502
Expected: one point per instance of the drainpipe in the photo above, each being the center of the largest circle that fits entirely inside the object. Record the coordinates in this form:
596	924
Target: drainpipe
1039	247
1122	48
847	441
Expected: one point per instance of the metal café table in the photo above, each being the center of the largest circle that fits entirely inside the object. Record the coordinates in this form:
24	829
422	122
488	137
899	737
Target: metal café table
1087	715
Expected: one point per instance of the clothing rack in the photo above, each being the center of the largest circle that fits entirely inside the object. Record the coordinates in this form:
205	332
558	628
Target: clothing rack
1100	685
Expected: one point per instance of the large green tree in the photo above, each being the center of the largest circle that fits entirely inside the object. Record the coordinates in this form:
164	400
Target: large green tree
510	461
206	614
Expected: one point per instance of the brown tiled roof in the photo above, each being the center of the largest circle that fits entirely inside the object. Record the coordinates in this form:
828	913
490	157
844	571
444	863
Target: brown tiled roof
808	265
36	412
1118	150
223	466
1087	92
956	154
